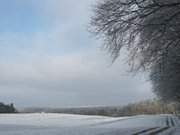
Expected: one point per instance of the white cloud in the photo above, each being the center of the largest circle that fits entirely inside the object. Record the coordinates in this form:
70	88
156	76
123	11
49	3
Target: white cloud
82	75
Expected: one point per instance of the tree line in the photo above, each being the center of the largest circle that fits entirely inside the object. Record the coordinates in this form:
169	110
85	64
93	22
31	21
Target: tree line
7	108
143	107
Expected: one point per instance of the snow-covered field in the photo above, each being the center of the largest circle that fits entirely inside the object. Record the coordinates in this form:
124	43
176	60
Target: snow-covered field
65	124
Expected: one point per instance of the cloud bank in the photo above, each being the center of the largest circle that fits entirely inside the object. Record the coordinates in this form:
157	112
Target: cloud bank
59	64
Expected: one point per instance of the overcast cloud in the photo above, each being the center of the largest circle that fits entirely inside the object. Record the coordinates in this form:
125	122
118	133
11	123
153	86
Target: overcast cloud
48	58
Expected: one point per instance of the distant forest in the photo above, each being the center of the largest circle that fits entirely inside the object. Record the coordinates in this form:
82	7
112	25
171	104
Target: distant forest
5	108
144	107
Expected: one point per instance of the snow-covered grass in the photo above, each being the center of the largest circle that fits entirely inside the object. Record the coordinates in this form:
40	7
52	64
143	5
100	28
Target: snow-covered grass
66	124
53	119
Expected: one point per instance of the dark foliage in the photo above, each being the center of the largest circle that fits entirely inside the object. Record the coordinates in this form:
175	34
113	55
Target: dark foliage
165	76
7	108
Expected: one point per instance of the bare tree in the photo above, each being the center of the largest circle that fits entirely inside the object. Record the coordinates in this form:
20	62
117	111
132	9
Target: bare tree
147	28
150	31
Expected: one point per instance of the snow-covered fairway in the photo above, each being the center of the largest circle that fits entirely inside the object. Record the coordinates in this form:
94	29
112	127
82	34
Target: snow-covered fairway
65	124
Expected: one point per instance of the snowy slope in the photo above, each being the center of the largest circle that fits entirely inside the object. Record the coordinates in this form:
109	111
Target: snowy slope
65	124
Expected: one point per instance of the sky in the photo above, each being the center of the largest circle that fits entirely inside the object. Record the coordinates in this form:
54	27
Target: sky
50	59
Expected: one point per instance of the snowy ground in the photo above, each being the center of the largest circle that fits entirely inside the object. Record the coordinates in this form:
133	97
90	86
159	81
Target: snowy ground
64	124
